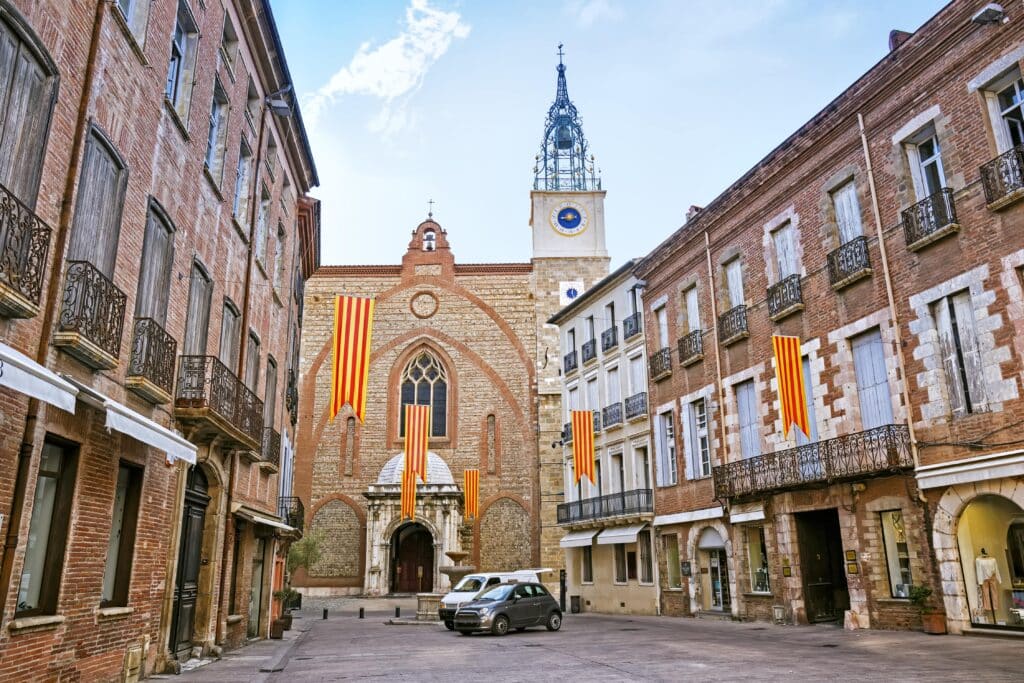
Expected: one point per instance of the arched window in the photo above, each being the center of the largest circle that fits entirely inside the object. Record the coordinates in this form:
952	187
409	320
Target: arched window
425	383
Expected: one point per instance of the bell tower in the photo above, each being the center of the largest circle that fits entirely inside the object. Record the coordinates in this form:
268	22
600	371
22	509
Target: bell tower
569	256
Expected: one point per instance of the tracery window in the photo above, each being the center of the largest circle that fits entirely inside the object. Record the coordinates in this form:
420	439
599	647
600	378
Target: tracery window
425	383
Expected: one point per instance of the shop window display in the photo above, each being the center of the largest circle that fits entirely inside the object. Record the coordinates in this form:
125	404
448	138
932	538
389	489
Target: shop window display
990	535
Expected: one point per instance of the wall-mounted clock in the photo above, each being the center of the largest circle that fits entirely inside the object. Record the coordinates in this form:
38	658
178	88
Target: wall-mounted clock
569	218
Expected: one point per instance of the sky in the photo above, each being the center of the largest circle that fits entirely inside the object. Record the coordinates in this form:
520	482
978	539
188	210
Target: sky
411	100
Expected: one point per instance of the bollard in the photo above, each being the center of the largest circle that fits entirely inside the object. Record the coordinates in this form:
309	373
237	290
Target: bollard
361	612
325	612
398	612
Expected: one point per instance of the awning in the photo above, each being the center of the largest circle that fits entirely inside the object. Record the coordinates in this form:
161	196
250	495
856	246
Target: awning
21	373
123	419
622	534
748	512
1005	465
257	517
576	539
689	516
710	538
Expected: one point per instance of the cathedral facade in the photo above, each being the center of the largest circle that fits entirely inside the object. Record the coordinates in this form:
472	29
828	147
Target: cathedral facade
470	341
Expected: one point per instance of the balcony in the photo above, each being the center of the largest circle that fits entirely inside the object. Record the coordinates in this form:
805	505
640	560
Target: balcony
785	297
271	459
91	317
930	220
636	406
24	245
588	351
291	511
1003	179
632	326
291	397
609	339
612	415
691	348
151	367
732	325
569	363
213	402
636	503
849	263
872	453
661	364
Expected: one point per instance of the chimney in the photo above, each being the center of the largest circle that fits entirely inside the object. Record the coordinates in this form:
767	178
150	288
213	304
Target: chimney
693	211
897	38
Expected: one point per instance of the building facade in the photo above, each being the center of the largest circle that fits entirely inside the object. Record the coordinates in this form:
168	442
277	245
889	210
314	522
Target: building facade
608	541
149	195
884	233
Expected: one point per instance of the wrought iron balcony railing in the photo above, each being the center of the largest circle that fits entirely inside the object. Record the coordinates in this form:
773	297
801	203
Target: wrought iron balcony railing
588	351
569	362
871	453
1003	178
612	415
732	325
291	511
636	405
623	503
24	244
151	367
91	316
271	448
208	391
609	338
930	219
691	348
849	262
785	297
291	397
661	363
632	326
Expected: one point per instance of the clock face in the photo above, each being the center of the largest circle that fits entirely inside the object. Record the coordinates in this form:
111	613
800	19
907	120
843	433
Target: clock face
569	218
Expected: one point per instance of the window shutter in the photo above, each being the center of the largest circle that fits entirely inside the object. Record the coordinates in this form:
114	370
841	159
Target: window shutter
662	316
950	362
97	220
750	439
230	329
155	273
847	212
592	400
692	459
734	279
801	439
661	473
198	322
636	375
25	93
252	363
784	250
692	310
974	369
614	393
872	381
270	394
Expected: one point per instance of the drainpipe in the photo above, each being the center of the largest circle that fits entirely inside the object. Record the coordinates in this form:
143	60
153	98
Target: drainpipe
718	353
222	618
49	310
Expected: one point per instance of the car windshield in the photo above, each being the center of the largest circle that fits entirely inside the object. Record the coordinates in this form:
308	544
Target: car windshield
470	584
497	594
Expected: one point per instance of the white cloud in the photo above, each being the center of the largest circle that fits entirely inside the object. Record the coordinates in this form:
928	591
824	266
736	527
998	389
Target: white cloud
392	71
589	12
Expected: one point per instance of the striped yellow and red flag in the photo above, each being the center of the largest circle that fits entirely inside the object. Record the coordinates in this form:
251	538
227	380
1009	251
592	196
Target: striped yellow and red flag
471	490
408	494
790	374
583	444
353	323
417	434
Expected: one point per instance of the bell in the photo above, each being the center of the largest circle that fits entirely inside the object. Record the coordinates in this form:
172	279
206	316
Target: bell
563	137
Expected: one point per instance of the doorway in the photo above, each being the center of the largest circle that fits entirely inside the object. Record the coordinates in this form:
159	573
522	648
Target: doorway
826	596
412	559
256	588
186	587
714	571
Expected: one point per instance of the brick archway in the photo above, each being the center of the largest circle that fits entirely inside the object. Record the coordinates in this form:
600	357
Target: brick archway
691	552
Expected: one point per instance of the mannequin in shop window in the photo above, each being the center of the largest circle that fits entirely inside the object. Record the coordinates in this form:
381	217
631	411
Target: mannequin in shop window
988	581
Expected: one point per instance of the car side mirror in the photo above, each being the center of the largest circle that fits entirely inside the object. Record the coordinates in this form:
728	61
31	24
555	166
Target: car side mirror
515	598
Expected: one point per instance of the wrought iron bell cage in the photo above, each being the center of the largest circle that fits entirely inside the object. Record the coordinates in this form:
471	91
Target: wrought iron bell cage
565	162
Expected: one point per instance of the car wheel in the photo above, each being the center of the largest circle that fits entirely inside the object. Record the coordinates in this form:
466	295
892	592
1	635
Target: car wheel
554	621
450	625
500	626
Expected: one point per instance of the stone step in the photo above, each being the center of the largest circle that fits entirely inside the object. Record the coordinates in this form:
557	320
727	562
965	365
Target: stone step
714	615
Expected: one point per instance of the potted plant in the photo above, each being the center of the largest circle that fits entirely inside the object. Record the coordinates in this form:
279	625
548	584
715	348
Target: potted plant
287	596
302	553
933	620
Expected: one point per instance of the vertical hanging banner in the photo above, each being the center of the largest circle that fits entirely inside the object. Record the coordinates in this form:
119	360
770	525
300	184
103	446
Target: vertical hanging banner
417	434
471	491
408	494
583	444
789	372
353	323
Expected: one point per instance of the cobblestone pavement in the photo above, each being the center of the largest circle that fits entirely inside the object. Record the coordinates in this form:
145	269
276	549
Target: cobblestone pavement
596	647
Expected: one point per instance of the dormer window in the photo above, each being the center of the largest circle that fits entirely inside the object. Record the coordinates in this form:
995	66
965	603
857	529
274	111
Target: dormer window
429	241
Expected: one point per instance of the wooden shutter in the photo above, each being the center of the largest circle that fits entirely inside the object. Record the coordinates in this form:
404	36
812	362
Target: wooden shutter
970	349
950	361
97	221
847	212
592	400
270	394
155	272
785	251
692	310
872	381
662	317
636	375
614	394
197	324
692	461
734	279
802	439
750	439
230	337
252	362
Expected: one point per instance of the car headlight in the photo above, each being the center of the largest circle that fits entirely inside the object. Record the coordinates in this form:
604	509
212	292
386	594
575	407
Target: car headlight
484	611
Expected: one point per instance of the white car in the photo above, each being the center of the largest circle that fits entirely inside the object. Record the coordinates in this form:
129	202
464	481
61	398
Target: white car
474	584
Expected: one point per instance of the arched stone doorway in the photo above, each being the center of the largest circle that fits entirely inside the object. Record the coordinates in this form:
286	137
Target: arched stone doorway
990	537
412	559
186	587
713	573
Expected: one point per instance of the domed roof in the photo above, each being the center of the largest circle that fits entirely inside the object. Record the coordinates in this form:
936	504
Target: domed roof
437	470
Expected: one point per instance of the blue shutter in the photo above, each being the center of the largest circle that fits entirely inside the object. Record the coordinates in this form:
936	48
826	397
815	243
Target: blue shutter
872	382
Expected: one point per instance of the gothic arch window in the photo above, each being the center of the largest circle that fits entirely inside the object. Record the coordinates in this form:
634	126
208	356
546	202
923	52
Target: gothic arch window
424	382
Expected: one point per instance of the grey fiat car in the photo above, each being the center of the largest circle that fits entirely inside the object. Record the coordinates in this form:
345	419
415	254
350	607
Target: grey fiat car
509	605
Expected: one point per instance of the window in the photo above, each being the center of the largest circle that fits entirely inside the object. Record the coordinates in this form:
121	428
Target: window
620	563
897	553
872	380
97	223
666	450
270	393
252	103
593	403
609	314
200	291
633	300
801	438
180	68
279	258
1009	100
252	361
734	282
618	483
233	603
216	141
961	354
692	309
757	553
925	160
157	264
425	383
785	250
643	542
121	543
229	44
47	532
700	452
570	340
844	200
631	565
135	13
271	159
590	327
642	468
661	315
613	386
240	206
27	86
671	543
573	402
261	226
230	335
598	486
637	381
750	436
587	557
